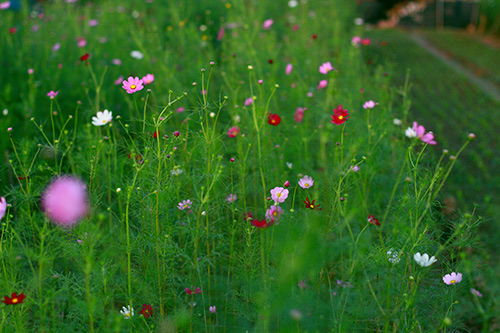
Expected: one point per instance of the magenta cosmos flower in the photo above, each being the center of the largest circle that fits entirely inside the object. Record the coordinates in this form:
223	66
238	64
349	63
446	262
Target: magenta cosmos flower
3	207
306	181
65	201
273	213
425	137
325	68
322	84
452	278
279	194
148	79
267	24
233	131
132	84
288	69
52	94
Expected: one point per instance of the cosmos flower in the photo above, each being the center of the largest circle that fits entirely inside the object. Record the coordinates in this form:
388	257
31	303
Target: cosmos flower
424	260
299	114
127	312
261	224
424	137
64	201
452	278
147	310
132	84
325	68
356	40
102	118
185	204
3	207
306	182
393	256
369	105
81	42
231	197
273	119
14	299
56	47
212	309
373	220
52	94
288	69
136	54
273	213
119	80
248	101
279	194
148	79
5	5
410	133
340	115
196	291
267	24
233	131
311	205
322	84
475	292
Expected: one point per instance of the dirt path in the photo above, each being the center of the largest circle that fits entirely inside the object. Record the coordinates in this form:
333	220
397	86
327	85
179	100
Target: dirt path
484	84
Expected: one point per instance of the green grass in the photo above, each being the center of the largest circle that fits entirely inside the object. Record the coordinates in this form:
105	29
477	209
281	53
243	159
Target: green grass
137	247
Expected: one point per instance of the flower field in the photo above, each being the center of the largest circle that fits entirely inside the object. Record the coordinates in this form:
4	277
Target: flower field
217	165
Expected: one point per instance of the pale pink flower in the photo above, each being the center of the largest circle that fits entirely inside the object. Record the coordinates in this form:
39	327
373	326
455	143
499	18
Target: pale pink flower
56	47
3	207
4	5
322	84
356	40
185	204
180	109
248	101
369	105
273	213
452	278
31	71
306	182
279	194
65	201
212	309
148	79
119	80
93	23
220	34
476	292
288	69
267	24
231	197
424	137
299	114
132	84
116	62
52	94
81	42
354	168
325	68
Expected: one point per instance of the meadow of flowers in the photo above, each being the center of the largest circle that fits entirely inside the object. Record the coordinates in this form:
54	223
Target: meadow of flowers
218	165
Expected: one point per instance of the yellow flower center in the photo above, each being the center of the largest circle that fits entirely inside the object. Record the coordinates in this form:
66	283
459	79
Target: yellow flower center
104	121
15	300
133	86
306	184
278	195
453	281
185	206
340	117
275	213
128	315
312	206
273	121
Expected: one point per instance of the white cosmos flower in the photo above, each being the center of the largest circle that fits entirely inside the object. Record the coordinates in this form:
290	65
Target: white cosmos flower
424	260
393	256
410	132
103	117
127	312
137	54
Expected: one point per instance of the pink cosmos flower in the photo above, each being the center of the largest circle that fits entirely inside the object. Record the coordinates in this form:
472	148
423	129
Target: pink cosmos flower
31	71
233	131
231	197
93	23
212	309
354	168
52	94
119	80
3	207
248	101
56	47
452	278
476	292
220	34
267	24
369	105
424	137
116	62
279	194
299	114
322	84
132	84
65	201
180	109
5	5
185	204
306	182
273	213
288	69
81	42
325	68
356	40
148	79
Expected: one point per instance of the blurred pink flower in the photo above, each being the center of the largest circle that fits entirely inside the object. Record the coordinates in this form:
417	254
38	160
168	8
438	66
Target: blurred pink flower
356	40
231	197
212	309
65	201
81	42
116	62
52	94
56	47
267	24
132	84
325	68
288	69
322	84
148	79
180	109
248	101
369	105
476	292
220	35
119	80
4	5
93	23
233	131
3	207
425	137
273	213
299	115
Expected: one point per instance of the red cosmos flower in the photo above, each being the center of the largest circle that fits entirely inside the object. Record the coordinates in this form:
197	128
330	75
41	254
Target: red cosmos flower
14	299
261	224
373	220
12	30
147	310
156	133
273	119
196	291
311	205
270	61
84	57
340	115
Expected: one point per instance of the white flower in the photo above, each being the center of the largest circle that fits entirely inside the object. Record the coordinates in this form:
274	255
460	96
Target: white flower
397	121
359	21
410	132
127	312
103	117
293	3
289	165
176	171
5	112
393	256
137	54
424	260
